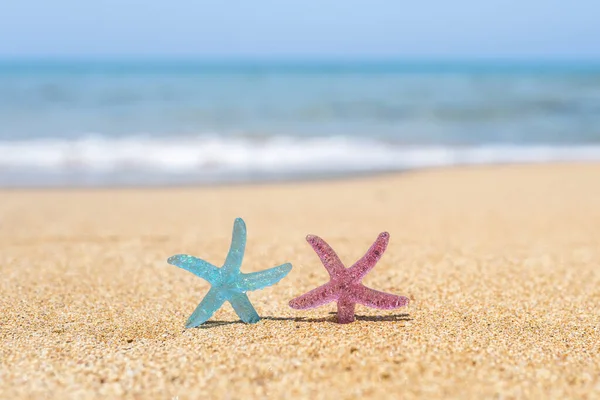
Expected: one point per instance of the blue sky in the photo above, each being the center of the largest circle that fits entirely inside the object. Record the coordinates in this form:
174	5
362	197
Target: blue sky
301	28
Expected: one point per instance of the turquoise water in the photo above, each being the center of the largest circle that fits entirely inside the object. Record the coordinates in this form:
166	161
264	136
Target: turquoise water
94	123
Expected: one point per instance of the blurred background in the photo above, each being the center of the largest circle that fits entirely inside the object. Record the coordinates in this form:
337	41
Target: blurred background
152	92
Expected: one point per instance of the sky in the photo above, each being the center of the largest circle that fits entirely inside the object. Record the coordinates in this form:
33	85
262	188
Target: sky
529	29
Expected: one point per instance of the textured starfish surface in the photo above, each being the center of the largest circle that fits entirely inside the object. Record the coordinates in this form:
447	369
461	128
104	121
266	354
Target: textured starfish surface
345	283
227	282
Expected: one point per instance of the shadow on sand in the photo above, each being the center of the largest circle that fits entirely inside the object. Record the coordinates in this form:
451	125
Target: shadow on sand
331	318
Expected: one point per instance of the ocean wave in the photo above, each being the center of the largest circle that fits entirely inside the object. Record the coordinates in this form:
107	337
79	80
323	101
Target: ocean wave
213	158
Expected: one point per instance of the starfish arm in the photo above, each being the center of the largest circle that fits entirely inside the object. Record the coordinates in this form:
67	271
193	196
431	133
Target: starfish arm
196	266
368	261
262	279
233	262
207	307
328	257
243	308
345	313
316	297
376	299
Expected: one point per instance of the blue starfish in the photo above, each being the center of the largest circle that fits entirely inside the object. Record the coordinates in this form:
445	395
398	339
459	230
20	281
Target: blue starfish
228	283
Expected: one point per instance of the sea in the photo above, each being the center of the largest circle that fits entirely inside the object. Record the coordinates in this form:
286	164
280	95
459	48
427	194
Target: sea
173	122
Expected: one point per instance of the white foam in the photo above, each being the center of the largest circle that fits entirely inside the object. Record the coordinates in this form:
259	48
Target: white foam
206	156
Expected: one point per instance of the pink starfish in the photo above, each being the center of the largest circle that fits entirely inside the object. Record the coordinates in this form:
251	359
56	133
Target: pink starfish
345	283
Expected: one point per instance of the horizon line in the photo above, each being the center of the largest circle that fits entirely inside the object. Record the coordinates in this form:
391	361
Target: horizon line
153	65
335	59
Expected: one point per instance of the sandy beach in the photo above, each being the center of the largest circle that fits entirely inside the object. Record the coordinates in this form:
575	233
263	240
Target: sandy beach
502	264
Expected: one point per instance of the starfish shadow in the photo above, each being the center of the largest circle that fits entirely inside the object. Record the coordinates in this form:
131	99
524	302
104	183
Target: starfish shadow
332	318
381	318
